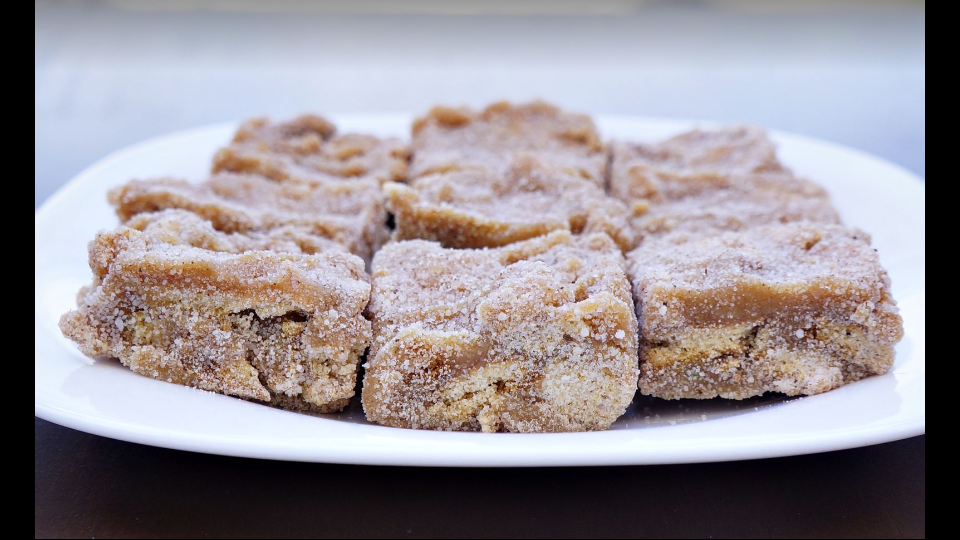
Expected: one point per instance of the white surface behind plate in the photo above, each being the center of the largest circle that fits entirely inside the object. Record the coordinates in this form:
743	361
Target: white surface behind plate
106	399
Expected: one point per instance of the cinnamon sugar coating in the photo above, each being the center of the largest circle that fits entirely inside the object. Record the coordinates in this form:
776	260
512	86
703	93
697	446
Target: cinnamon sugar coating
537	336
692	162
473	208
175	226
799	308
307	148
282	328
348	213
702	182
455	139
746	202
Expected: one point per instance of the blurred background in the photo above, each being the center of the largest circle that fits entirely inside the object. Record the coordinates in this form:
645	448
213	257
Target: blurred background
112	73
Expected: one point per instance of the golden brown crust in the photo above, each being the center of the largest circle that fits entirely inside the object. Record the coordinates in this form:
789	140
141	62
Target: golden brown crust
257	325
799	309
535	336
457	139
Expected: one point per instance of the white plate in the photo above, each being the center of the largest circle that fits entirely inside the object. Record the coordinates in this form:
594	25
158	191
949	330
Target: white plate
106	399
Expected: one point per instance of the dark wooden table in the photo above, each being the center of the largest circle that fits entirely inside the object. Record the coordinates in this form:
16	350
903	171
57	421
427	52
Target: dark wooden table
88	486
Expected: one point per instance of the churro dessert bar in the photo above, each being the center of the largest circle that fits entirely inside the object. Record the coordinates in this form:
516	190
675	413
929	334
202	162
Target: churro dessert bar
476	208
347	213
537	336
705	182
455	139
309	148
691	163
799	308
282	328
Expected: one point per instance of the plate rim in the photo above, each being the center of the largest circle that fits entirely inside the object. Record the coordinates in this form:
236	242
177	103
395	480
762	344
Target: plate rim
773	448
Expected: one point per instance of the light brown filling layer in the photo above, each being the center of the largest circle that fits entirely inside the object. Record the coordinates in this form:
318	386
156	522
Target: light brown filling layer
669	309
744	360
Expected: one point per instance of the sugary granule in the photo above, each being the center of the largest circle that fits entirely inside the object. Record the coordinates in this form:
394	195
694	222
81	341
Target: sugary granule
454	139
474	208
244	324
494	339
799	308
347	213
307	148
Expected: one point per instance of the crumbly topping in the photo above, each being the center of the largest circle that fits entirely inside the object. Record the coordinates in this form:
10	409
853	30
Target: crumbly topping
175	226
703	182
691	162
348	213
454	139
747	202
470	209
306	149
301	134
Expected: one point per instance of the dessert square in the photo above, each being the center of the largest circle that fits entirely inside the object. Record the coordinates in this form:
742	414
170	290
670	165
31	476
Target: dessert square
537	336
455	139
799	308
348	213
308	147
691	163
282	328
474	209
704	182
